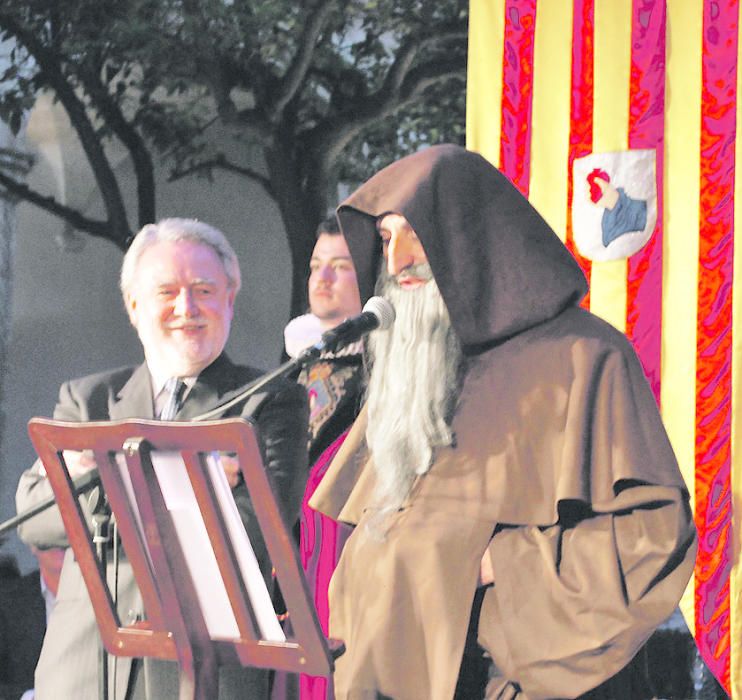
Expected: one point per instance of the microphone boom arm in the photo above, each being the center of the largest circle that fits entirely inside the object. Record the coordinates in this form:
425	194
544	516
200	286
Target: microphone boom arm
82	484
378	313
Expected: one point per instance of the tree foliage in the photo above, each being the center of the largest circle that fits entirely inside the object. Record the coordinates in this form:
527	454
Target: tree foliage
319	91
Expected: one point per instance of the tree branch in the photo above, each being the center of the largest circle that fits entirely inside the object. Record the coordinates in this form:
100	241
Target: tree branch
98	228
102	171
297	71
333	135
112	115
422	77
399	68
222	163
14	161
212	66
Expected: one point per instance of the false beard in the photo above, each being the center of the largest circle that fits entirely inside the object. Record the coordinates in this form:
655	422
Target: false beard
415	378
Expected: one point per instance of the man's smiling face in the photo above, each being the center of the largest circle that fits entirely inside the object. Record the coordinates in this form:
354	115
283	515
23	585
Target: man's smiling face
181	304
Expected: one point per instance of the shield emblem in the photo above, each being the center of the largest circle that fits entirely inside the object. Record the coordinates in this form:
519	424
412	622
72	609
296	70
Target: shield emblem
614	205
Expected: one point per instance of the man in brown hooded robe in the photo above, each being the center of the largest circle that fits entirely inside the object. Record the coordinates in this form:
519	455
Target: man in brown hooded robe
509	444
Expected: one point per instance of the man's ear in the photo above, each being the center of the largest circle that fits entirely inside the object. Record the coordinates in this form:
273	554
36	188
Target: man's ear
131	309
230	301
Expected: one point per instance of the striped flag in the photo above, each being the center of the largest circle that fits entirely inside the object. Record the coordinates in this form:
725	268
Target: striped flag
617	119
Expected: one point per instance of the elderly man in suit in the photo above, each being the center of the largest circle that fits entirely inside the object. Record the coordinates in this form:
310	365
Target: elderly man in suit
179	280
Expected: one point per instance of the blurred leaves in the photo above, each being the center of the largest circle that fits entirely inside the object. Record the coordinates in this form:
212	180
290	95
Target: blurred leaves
170	66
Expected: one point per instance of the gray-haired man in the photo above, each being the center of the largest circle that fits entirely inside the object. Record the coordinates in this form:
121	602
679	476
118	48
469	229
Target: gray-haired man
179	281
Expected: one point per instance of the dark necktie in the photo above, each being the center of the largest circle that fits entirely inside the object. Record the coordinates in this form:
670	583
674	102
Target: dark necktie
174	388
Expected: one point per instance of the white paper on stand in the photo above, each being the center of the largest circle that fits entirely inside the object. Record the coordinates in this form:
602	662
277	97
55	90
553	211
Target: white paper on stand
180	501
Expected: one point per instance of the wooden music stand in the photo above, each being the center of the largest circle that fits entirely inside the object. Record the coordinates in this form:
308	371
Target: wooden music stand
176	626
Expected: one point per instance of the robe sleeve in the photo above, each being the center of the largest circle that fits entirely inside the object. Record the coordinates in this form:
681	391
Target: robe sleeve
574	600
583	599
343	492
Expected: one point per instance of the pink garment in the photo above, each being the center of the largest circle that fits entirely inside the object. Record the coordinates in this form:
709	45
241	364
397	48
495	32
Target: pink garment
320	544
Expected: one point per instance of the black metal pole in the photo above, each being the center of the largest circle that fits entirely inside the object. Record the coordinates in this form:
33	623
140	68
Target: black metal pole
101	537
83	484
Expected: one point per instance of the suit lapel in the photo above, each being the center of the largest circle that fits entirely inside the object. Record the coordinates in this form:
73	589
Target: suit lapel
134	400
202	396
215	385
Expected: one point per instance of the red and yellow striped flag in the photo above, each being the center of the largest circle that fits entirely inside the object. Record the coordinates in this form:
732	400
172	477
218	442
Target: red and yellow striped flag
643	94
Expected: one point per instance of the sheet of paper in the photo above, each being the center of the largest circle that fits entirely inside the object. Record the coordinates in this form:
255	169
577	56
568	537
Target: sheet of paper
260	598
126	478
180	500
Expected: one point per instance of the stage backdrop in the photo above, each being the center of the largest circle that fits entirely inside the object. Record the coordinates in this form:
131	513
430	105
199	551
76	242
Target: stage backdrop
618	120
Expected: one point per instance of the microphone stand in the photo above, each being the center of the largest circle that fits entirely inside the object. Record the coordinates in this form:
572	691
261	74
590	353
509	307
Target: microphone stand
340	336
83	484
101	537
91	479
377	313
309	355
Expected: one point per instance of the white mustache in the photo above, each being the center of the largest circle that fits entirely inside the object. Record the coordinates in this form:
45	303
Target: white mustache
421	271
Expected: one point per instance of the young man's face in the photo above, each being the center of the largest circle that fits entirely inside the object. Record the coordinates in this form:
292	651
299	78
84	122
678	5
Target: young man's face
333	287
403	251
181	304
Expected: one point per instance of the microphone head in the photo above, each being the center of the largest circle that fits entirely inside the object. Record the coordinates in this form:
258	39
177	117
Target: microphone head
383	310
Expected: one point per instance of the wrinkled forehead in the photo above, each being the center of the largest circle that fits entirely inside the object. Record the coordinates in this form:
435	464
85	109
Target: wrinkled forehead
392	221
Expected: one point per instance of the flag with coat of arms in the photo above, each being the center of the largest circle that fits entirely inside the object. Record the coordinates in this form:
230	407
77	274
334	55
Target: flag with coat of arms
618	120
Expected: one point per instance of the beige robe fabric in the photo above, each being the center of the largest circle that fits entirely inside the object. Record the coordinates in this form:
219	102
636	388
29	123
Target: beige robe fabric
561	453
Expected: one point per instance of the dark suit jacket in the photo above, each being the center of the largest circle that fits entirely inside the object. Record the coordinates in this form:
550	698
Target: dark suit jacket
68	667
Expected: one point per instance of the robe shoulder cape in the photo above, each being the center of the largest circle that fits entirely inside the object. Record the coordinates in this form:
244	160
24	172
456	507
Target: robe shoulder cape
561	453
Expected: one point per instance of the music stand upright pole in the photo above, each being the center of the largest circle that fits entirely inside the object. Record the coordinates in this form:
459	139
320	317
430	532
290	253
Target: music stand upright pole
101	538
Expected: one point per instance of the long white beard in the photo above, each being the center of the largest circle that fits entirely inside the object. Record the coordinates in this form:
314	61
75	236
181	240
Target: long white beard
412	390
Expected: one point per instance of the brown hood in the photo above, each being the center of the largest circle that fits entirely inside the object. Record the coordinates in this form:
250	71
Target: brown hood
499	266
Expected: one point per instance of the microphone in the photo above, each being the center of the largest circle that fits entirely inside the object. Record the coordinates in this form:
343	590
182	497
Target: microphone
377	313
